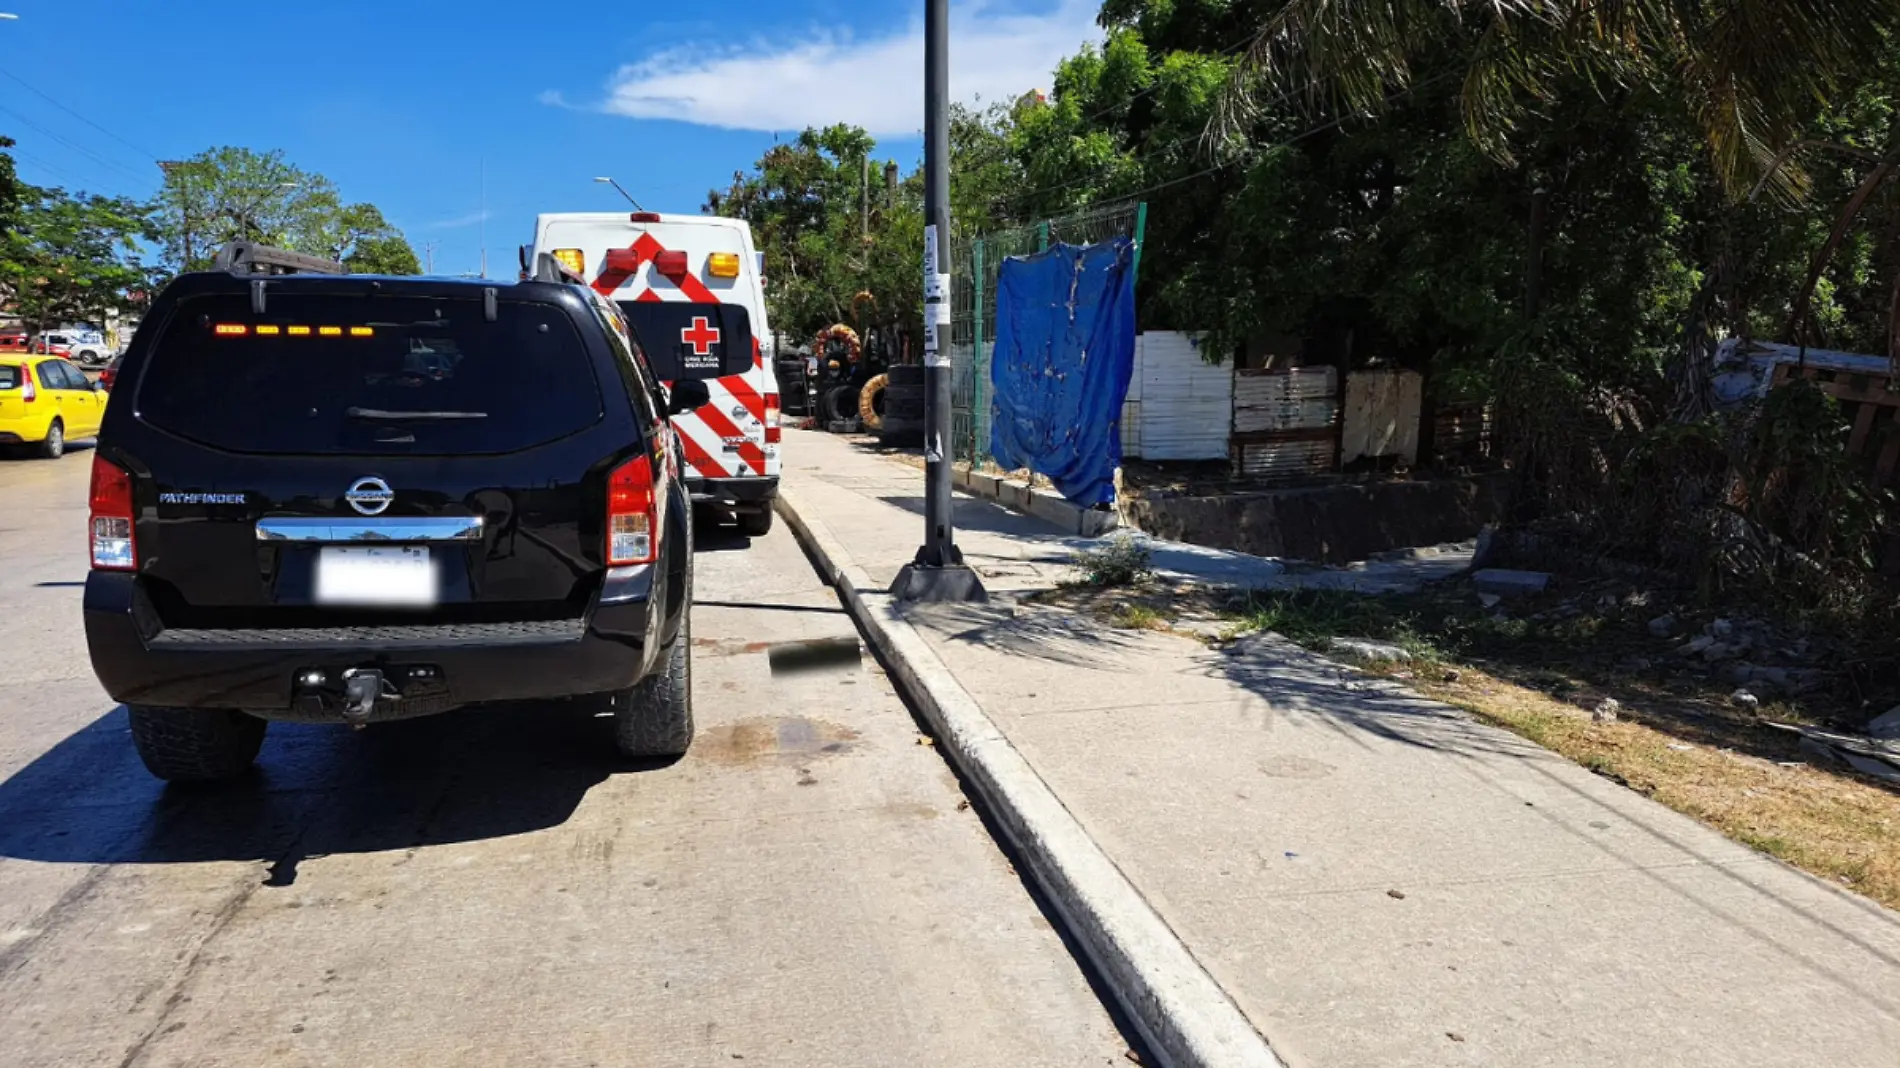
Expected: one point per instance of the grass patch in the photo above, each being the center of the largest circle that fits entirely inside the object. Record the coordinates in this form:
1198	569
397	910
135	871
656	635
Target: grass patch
1834	826
1535	668
1313	618
1137	616
1120	561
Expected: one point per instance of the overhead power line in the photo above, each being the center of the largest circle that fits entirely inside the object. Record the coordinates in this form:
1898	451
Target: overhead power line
146	152
79	148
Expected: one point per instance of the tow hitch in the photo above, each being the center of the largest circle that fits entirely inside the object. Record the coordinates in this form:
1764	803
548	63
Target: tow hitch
362	687
322	694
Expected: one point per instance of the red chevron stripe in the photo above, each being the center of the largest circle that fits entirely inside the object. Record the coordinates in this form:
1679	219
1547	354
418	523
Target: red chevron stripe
700	461
743	392
717	422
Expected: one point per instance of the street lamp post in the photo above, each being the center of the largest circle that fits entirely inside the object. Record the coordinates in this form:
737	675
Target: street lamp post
623	192
938	573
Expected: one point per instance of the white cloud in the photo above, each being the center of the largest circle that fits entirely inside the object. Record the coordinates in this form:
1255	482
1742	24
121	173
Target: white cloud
833	76
473	218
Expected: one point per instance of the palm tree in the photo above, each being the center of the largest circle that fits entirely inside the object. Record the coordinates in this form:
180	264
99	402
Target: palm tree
1751	72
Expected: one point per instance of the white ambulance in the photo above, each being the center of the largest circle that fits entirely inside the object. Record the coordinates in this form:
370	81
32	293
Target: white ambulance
690	286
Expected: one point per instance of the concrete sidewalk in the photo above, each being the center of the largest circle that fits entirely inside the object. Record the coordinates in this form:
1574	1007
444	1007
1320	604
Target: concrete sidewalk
1369	878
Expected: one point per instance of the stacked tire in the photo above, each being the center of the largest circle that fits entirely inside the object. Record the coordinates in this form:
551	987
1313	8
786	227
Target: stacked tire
903	417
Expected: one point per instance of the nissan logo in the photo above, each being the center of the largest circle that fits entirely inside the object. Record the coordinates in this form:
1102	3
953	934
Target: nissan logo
370	496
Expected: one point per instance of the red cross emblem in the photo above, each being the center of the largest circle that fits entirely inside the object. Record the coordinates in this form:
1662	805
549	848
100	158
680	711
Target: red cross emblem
702	336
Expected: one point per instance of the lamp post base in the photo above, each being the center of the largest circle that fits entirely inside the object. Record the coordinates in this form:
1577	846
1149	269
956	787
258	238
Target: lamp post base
953	584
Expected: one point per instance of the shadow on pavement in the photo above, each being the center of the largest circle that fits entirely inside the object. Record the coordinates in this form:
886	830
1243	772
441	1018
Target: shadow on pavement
976	514
1372	713
725	537
471	775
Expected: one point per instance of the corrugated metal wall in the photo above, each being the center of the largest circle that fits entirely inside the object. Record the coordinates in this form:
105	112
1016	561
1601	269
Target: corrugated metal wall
1382	415
1186	404
1285	422
1131	409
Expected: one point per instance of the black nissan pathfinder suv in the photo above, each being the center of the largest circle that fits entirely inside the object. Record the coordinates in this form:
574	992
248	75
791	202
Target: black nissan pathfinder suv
348	499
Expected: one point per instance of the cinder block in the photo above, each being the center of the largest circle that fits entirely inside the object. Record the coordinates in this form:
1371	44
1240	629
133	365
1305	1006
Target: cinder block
1048	506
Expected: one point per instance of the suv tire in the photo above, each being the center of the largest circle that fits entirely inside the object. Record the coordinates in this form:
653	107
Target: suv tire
655	717
195	745
756	524
54	446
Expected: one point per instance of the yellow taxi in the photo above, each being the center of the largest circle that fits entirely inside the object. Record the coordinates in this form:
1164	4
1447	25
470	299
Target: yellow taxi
45	402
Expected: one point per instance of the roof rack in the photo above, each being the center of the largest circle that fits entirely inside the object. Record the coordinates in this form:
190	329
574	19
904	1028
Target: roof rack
248	257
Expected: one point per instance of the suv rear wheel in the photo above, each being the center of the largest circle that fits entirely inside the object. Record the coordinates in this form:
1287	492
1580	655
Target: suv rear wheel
195	745
655	718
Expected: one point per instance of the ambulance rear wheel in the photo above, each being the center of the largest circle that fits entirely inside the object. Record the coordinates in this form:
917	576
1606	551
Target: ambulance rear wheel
756	524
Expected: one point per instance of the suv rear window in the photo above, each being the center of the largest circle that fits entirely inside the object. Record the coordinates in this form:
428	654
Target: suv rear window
692	340
361	375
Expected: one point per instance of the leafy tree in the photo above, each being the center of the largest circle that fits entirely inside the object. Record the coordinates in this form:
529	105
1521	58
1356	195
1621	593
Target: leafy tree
1749	73
360	237
802	200
72	256
227	194
383	255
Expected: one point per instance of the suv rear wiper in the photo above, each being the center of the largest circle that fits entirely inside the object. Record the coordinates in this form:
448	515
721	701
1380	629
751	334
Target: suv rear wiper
379	415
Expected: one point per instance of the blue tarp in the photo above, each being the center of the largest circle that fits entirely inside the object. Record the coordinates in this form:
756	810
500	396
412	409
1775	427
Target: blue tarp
1065	348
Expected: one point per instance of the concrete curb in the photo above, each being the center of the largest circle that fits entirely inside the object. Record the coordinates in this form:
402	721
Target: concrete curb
1040	503
1183	1015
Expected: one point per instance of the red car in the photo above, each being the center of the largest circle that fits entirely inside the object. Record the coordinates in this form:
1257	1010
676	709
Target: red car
110	373
12	341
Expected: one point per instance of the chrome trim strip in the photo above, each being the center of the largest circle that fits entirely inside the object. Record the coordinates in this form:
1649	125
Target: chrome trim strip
379	528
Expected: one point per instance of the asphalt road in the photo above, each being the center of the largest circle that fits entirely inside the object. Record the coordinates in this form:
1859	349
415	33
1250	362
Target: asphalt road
494	887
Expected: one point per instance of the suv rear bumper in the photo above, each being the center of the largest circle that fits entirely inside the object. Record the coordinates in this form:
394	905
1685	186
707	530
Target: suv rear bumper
435	668
747	493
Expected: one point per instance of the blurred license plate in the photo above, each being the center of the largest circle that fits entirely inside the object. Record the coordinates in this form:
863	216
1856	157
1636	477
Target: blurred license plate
384	575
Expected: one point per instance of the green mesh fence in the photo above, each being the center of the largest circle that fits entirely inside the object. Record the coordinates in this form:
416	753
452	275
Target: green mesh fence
974	265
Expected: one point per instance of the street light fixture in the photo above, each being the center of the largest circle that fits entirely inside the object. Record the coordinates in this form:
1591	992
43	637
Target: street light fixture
623	192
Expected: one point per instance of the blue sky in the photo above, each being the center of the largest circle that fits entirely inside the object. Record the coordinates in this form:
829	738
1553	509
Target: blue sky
406	103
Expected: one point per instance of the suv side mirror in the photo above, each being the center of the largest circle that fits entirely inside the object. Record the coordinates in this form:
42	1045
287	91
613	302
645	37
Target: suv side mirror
686	395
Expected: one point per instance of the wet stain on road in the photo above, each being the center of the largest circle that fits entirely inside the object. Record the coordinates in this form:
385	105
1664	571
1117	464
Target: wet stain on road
1293	767
773	740
729	647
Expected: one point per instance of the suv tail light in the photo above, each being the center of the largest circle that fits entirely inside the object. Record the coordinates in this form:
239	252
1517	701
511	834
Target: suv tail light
633	514
772	432
113	546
